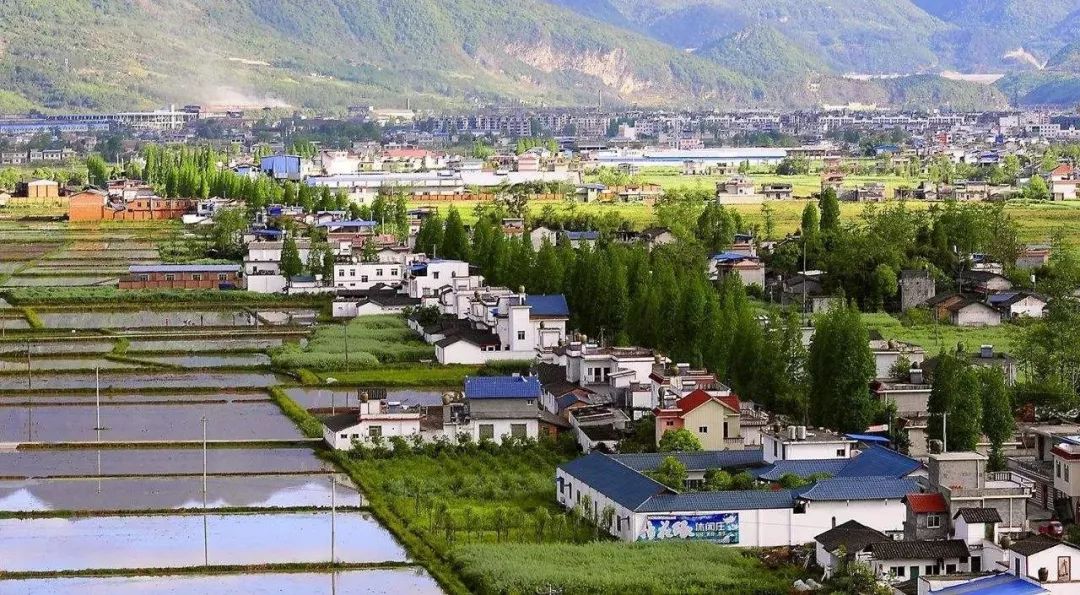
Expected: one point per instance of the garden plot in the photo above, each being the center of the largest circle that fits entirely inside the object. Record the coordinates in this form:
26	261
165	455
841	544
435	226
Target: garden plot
137	379
414	581
9	323
145	422
145	462
177	493
175	541
52	347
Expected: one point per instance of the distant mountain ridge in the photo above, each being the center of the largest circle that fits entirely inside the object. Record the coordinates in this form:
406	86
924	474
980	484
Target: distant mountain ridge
328	54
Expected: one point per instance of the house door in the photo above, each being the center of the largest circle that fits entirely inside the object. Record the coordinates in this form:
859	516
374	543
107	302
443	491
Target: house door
976	564
914	573
1064	569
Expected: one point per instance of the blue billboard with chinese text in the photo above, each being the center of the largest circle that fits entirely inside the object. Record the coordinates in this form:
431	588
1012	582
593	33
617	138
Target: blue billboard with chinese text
717	528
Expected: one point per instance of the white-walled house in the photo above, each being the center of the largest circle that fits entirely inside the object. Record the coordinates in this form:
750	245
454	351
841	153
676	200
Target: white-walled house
365	275
795	443
900	561
504	327
646	510
502	406
1055	564
372	421
262	265
425	278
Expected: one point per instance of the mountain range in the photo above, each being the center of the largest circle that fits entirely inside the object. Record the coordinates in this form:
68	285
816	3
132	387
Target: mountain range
328	54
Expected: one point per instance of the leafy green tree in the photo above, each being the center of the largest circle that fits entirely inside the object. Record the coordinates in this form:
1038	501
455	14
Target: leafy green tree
455	241
717	480
291	265
429	238
681	440
1037	189
97	170
840	367
998	422
671	472
227	232
885	285
955	404
830	210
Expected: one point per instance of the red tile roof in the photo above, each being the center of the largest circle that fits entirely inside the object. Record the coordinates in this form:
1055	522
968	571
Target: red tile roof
923	503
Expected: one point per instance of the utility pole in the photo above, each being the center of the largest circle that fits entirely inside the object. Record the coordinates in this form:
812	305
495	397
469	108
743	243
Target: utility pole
206	532
944	433
97	400
333	515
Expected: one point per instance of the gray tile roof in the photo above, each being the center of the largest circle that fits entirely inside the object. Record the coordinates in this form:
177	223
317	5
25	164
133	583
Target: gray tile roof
718	501
978	515
858	488
1034	545
853	535
919	550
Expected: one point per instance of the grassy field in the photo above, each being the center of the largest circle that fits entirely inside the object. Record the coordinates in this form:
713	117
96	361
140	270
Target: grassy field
933	338
371	341
803	186
604	567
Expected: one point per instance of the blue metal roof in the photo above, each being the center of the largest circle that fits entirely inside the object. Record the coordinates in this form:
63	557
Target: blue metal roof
878	461
694	461
502	387
582	235
614	480
858	488
184	268
718	501
548	305
1001	584
801	468
732	256
566	400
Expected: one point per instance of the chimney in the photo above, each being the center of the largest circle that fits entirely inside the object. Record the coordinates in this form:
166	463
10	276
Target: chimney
986	352
801	431
792	433
915	375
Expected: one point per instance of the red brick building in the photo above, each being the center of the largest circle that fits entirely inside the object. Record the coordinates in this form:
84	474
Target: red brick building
182	276
96	206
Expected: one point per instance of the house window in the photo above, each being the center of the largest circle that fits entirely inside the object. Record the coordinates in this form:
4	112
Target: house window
670	423
929	570
725	431
518	431
487	431
170	277
898	571
1057	468
378	272
341	272
775	449
529	402
374	431
393	272
363	278
933	521
222	277
703	429
196	277
344	436
352	272
144	277
435	275
1016	566
521	335
841	453
950	568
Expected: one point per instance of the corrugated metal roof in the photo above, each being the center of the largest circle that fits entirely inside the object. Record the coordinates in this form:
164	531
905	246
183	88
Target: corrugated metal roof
858	488
801	468
718	501
1001	584
878	461
694	461
502	387
614	480
548	305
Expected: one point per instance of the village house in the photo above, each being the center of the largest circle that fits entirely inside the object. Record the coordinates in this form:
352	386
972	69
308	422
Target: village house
1033	256
1047	560
372	422
846	542
777	191
963	480
927	516
905	560
750	269
500	407
797	443
916	287
713	420
503	326
182	276
1017	304
969	312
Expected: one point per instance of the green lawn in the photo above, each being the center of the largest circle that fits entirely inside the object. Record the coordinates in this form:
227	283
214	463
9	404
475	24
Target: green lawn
605	567
935	337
